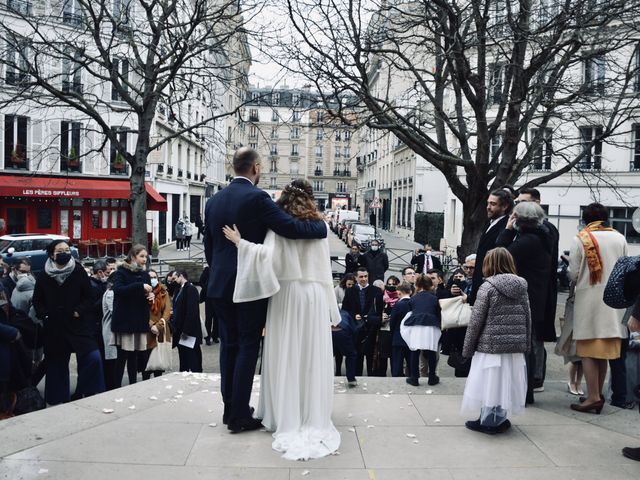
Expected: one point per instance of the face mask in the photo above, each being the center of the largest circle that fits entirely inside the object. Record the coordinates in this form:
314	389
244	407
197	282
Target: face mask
62	258
391	288
374	248
154	282
21	275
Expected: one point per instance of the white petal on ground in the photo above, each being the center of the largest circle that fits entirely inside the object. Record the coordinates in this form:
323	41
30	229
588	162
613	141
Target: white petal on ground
429	392
180	392
132	407
371	426
108	410
350	415
386	395
411	435
390	392
352	430
42	471
437	420
416	441
168	387
213	424
153	397
118	400
305	473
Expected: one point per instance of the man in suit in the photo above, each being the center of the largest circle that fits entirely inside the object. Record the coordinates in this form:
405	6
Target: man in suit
186	324
499	206
353	260
424	260
364	303
253	212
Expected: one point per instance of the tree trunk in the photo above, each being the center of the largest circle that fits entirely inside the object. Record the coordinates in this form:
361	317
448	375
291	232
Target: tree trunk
138	202
474	219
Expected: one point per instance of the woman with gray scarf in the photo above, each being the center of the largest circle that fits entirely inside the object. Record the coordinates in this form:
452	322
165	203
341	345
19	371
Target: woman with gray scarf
62	298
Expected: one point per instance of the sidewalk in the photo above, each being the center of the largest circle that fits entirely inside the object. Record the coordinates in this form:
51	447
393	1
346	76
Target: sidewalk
170	428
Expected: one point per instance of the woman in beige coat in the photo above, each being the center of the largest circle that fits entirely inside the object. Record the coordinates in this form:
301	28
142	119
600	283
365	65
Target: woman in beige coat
597	328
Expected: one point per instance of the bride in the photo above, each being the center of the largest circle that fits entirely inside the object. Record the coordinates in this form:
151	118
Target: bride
296	394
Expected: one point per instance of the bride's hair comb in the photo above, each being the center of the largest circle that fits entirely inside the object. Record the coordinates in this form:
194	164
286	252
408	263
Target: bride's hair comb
291	188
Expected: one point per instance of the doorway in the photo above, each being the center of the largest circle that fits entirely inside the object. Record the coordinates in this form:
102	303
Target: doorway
16	220
175	213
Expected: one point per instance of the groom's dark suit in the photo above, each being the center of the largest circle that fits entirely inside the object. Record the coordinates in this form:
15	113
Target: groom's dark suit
241	324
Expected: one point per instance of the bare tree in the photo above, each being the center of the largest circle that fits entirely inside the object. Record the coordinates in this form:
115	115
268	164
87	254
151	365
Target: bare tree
118	63
483	90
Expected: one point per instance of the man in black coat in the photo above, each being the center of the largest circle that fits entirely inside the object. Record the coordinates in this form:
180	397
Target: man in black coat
364	303
98	282
210	320
253	211
424	260
187	334
499	206
376	262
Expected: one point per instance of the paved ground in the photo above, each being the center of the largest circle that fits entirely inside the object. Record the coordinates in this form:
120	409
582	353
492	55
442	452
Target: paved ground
170	428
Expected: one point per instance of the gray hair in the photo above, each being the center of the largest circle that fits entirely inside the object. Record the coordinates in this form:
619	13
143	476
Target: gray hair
379	284
529	214
469	258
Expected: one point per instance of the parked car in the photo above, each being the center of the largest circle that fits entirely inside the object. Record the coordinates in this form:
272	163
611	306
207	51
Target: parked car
361	234
343	229
342	215
29	245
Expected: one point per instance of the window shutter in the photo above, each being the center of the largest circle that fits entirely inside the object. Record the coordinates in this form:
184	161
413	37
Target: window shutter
54	143
38	162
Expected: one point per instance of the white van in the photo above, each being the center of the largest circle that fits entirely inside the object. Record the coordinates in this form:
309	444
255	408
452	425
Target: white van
342	215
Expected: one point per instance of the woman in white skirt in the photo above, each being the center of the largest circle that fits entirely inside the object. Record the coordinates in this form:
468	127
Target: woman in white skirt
498	336
420	329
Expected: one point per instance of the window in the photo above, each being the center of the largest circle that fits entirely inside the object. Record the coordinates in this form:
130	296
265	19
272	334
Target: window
347	135
120	67
274	116
318	185
294	150
591	148
71	12
496	143
294	168
318	172
17	65
70	146
273	149
295	132
346	152
274	166
337	155
319	151
543	150
275	99
273	183
341	187
255	96
635	163
497	18
319	116
296	116
122	11
118	162
594	74
338	136
319	135
21	7
636	84
496	70
254	146
15	142
253	115
253	131
274	133
71	73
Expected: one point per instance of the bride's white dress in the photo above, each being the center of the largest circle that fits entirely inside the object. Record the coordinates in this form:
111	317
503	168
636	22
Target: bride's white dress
296	394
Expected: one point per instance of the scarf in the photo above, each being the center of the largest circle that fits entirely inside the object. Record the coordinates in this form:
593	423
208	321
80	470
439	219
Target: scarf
592	250
60	275
158	300
391	298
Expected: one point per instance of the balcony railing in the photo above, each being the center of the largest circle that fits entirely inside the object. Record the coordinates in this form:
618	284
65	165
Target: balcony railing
188	175
318	172
16	163
71	18
180	173
202	177
170	170
160	168
16	78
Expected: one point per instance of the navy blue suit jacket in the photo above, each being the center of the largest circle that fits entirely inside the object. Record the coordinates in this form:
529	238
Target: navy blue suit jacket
253	212
398	312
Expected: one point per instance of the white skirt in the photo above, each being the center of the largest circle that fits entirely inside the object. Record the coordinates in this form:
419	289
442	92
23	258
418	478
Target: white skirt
496	380
419	337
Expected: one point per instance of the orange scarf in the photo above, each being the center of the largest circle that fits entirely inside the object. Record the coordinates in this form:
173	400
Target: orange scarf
592	250
158	301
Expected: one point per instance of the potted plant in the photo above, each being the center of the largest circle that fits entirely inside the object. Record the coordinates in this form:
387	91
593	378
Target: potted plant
73	161
155	249
17	156
119	162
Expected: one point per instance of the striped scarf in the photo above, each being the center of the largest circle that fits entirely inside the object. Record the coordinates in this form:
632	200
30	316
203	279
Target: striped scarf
592	250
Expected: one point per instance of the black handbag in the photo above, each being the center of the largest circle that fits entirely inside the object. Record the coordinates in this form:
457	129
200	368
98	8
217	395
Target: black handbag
28	400
461	364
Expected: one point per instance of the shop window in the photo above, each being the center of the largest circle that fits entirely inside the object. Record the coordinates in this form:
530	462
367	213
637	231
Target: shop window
114	219
70	147
45	218
105	219
123	219
64	221
95	219
15	144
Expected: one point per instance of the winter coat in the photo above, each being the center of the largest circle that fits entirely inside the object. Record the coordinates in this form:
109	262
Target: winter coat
352	263
487	242
22	296
154	319
110	351
7	336
500	318
130	305
398	312
592	317
98	288
55	305
376	263
188	229
186	314
425	310
180	229
531	250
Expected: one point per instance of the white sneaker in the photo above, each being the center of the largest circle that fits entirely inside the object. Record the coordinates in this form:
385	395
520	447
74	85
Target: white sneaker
538	390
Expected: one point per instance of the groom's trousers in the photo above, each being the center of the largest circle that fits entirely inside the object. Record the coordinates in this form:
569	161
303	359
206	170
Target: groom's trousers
241	326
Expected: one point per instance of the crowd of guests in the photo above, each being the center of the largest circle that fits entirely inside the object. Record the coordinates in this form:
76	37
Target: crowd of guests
111	316
510	285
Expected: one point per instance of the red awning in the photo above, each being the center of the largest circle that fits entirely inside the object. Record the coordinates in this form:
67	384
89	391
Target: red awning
57	187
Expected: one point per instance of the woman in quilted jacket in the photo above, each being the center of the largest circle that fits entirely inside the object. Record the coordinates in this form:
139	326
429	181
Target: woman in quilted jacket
498	336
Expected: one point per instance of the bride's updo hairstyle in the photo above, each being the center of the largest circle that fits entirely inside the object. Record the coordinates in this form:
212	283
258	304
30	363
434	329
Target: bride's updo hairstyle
297	199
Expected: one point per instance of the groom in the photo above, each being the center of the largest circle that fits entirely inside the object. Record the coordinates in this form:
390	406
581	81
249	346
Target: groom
241	324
